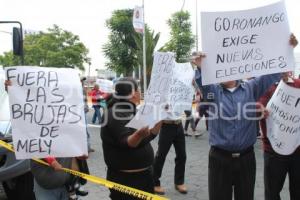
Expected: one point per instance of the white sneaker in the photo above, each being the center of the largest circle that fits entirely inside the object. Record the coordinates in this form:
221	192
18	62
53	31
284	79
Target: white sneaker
190	133
198	133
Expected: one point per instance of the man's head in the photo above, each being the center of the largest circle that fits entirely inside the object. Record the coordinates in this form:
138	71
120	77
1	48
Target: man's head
127	88
96	87
229	84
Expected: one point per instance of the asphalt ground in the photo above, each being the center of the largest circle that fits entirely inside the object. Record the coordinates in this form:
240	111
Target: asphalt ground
196	169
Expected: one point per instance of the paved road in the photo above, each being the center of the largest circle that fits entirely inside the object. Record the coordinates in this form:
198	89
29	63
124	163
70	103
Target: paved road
196	169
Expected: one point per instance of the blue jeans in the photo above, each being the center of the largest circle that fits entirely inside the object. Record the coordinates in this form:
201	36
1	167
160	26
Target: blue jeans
97	114
47	194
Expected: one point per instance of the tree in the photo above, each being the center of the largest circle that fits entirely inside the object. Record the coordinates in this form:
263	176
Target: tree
55	48
8	59
182	39
121	47
151	42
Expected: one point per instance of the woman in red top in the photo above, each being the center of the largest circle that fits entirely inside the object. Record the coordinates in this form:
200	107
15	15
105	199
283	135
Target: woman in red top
98	97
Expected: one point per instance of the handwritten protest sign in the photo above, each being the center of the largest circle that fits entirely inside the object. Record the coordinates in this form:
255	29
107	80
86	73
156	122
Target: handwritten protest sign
46	106
180	93
243	44
283	123
169	93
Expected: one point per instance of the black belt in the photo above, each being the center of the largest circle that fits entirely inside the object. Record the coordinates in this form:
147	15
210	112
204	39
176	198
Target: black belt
176	122
237	154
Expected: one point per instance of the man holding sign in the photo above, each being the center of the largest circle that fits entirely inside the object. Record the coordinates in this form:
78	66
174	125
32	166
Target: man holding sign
276	165
232	128
247	43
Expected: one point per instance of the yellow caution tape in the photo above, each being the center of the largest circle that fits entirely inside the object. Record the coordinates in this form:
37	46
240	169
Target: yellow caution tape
100	181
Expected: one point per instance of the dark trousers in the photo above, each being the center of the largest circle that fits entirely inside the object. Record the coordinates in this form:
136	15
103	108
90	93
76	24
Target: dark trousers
170	134
139	180
202	112
275	171
97	114
228	176
189	119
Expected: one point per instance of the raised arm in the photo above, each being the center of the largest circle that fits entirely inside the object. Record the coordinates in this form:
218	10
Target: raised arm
206	90
261	84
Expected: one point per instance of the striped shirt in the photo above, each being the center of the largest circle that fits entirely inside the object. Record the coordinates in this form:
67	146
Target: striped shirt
233	127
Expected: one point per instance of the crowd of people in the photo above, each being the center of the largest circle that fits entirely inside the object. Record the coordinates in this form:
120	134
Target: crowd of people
131	160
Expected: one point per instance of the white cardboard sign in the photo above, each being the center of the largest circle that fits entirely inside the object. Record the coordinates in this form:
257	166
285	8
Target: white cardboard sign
171	86
247	43
283	123
46	106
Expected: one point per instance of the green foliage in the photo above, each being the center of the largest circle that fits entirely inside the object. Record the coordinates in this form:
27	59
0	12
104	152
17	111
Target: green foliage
125	47
55	48
182	39
121	48
8	59
151	42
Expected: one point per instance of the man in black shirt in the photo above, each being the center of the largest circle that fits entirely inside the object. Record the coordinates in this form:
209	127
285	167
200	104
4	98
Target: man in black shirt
128	153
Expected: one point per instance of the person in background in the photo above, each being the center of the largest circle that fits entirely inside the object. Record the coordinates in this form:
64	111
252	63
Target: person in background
276	166
189	119
201	107
97	97
86	110
128	153
171	133
232	164
202	110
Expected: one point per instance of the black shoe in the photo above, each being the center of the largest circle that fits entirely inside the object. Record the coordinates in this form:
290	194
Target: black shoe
91	150
81	192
